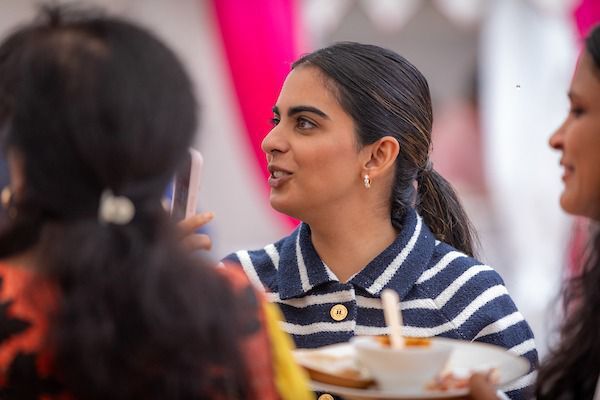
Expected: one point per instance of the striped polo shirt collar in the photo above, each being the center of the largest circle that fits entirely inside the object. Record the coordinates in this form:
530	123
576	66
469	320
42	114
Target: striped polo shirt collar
300	267
402	263
398	267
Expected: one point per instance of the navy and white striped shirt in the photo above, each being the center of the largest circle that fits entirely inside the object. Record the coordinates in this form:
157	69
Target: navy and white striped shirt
443	292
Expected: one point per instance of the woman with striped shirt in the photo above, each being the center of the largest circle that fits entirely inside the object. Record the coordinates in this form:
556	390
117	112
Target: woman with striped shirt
349	157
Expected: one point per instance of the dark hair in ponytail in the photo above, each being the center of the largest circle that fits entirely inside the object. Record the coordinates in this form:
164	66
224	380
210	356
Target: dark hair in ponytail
387	96
90	103
572	368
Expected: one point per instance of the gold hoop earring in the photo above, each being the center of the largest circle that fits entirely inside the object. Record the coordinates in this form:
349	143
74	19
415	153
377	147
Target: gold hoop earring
367	181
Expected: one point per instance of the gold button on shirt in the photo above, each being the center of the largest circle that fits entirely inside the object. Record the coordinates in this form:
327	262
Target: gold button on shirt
339	312
325	396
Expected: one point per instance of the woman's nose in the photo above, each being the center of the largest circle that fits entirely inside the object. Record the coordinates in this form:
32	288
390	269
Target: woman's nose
556	140
274	141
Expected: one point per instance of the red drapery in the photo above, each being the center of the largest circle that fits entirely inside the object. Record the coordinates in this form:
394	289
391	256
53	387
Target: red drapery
260	43
587	15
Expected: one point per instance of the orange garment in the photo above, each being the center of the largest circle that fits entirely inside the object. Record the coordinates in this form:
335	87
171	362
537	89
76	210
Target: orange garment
27	303
257	348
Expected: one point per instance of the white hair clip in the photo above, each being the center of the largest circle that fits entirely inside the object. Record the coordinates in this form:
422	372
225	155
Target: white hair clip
113	209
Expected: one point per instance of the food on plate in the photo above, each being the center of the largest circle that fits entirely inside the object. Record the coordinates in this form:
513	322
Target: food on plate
343	367
459	379
334	365
337	365
408	341
333	368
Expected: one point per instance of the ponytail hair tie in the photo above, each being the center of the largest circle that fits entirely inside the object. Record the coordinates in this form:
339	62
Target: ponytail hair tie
118	210
427	169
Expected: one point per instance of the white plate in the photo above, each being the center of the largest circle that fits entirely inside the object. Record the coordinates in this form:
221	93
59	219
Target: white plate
466	356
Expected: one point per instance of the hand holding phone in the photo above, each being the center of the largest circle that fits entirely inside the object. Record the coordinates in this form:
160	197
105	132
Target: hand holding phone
186	186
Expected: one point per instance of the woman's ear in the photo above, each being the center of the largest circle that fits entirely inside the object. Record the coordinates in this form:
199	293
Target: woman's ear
380	156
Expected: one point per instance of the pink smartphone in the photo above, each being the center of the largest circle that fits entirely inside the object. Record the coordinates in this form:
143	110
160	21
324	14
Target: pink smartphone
186	186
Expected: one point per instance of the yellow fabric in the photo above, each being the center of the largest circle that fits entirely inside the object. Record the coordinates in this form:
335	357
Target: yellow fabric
290	378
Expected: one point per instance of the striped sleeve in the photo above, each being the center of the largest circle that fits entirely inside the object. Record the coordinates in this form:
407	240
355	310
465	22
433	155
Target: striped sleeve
473	298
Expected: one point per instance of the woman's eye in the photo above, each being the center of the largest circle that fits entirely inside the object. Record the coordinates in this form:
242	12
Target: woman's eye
304	123
576	111
275	121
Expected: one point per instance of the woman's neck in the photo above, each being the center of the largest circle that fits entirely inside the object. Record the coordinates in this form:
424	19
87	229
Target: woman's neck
347	244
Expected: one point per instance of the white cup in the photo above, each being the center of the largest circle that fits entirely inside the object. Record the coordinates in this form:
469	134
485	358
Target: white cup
409	369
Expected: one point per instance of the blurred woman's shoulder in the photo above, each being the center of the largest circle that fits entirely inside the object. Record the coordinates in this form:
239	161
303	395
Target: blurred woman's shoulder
275	373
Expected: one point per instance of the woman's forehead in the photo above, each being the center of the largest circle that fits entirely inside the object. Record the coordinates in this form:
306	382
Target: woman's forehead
587	74
307	84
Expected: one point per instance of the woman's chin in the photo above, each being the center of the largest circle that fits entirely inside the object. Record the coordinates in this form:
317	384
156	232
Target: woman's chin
282	207
565	203
572	206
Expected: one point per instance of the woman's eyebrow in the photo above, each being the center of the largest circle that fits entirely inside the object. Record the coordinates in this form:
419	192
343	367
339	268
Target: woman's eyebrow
310	109
298	109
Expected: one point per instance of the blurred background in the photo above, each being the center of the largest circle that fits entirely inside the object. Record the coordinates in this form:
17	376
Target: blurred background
498	71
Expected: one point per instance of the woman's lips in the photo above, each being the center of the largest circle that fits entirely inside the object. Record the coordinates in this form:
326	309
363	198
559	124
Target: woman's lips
278	178
567	172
